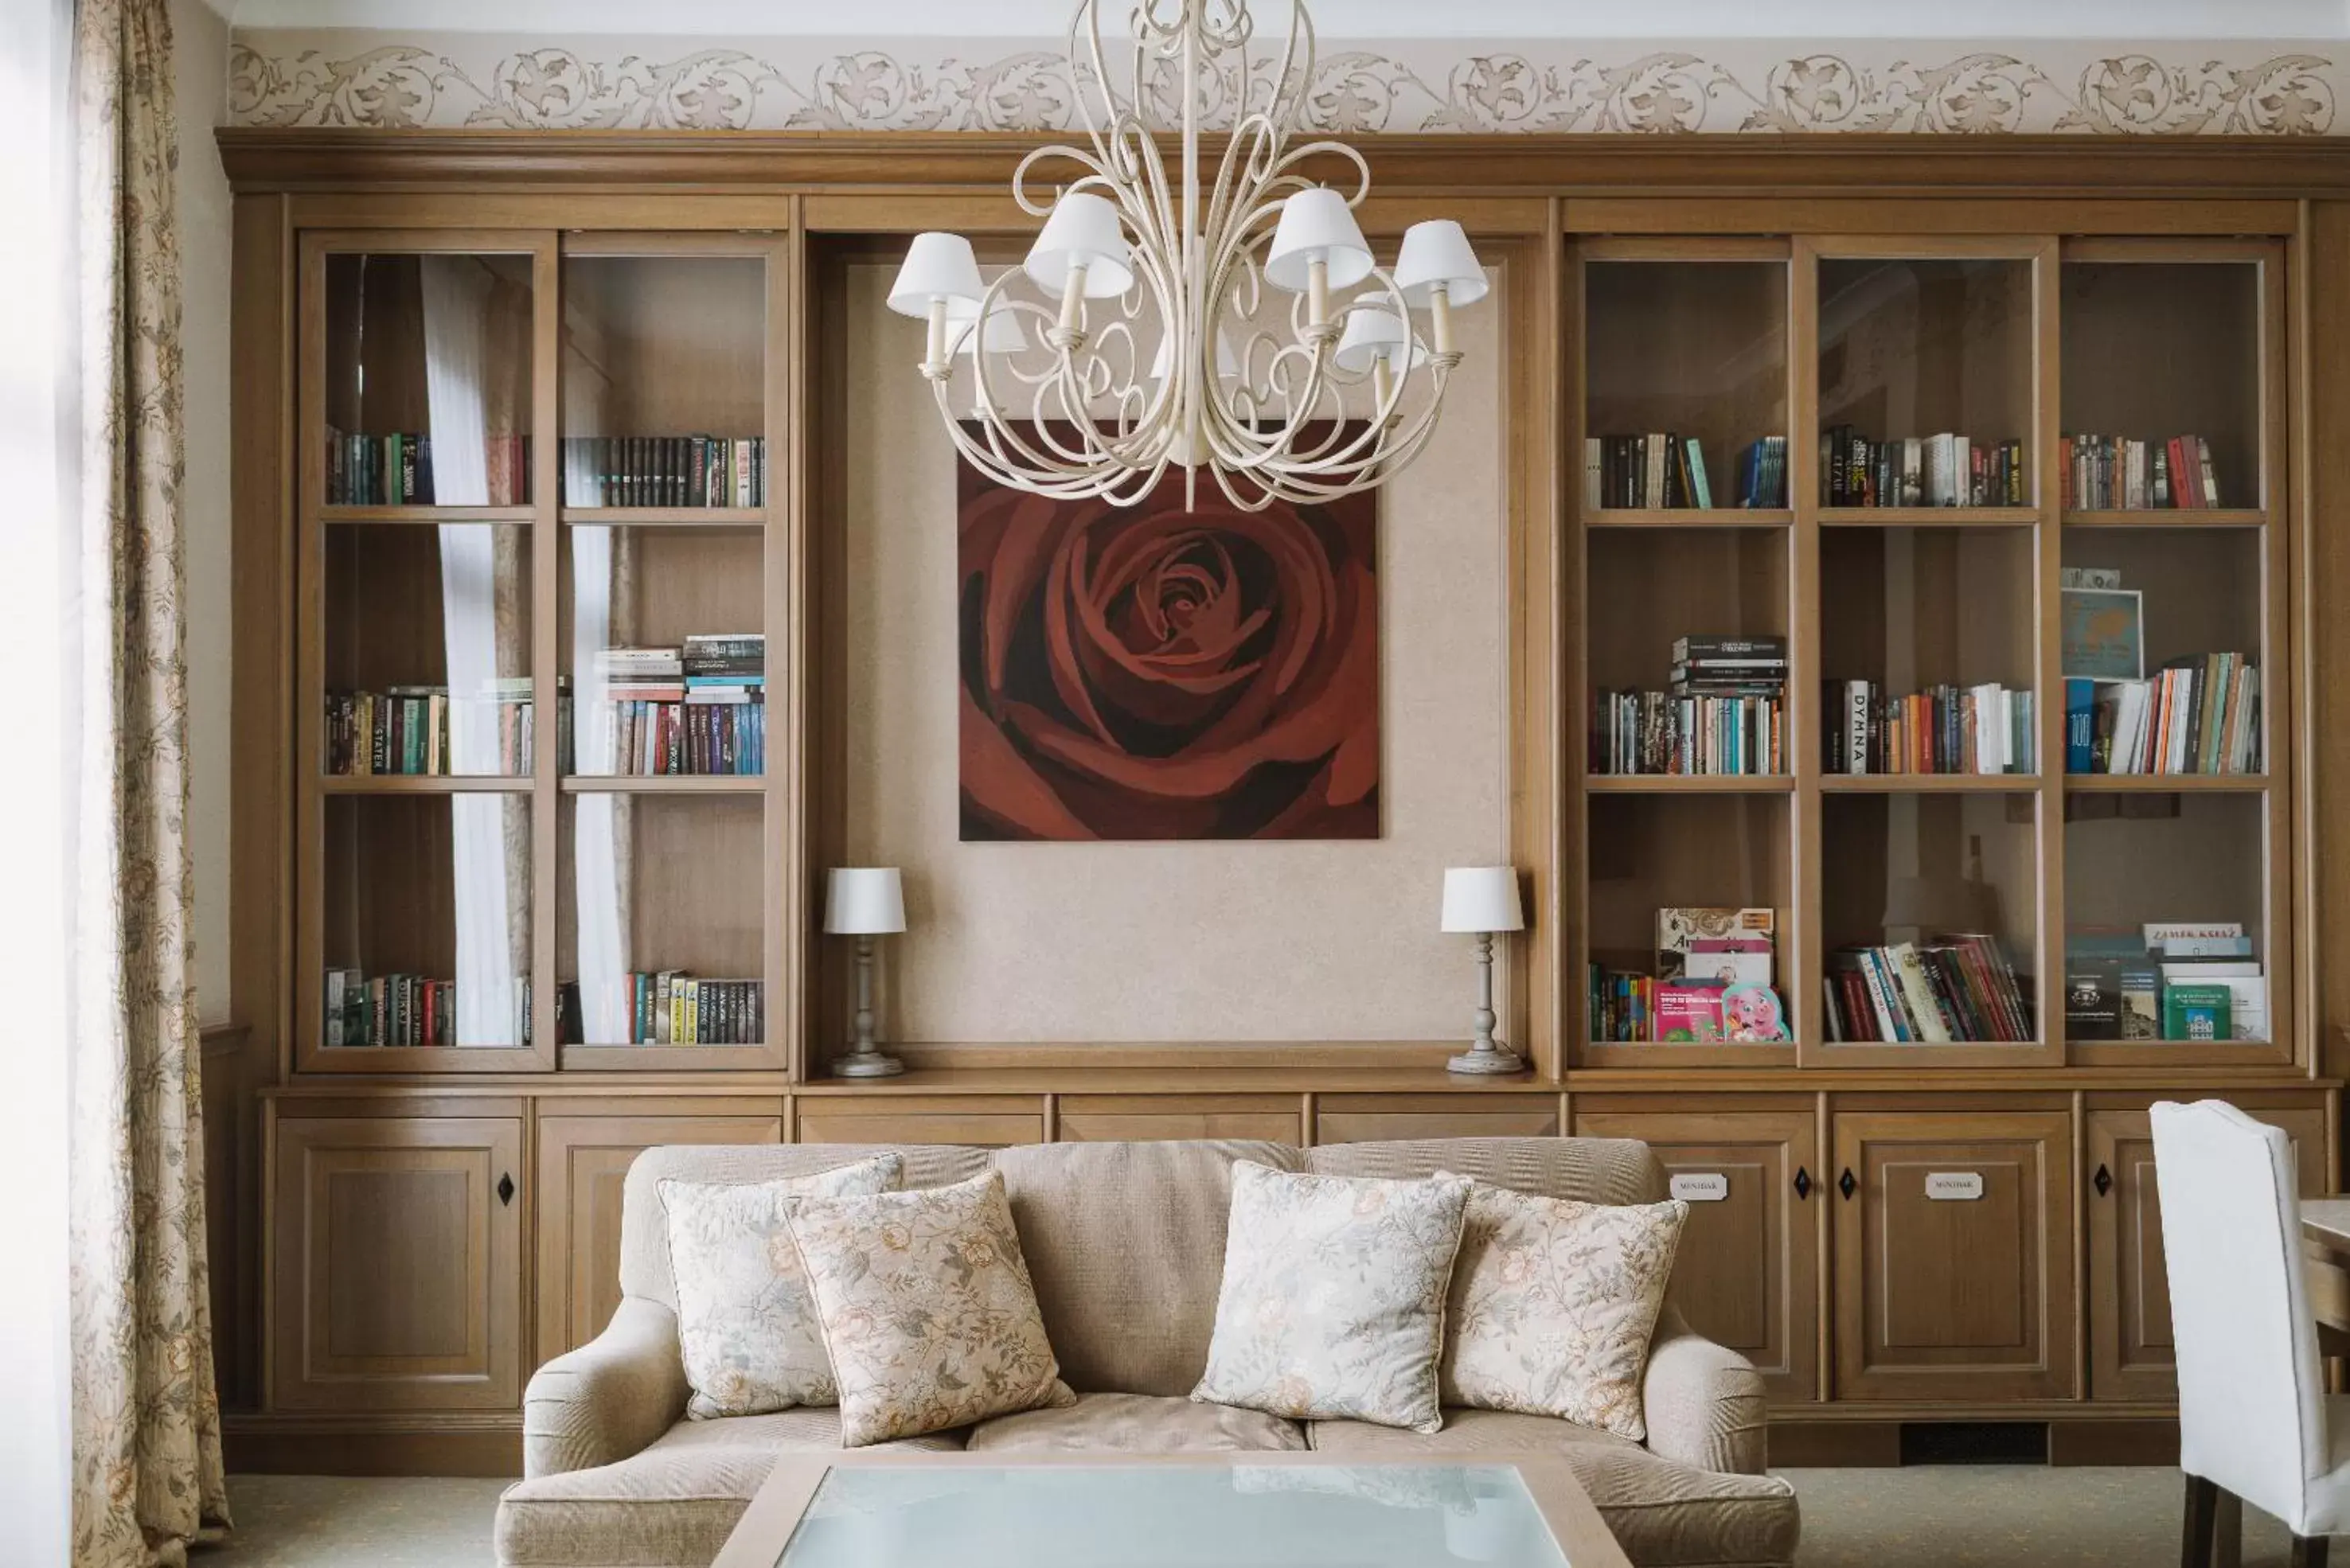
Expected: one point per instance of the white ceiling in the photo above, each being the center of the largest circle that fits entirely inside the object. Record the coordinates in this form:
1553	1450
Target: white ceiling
2121	20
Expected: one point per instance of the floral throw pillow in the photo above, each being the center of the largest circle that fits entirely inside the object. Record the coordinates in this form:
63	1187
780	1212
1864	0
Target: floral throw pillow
1554	1304
927	1308
1333	1299
744	1318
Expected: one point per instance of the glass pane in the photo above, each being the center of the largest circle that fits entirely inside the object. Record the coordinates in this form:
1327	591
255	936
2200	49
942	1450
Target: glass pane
1694	351
1930	910
665	381
2162	650
2164	899
1925	382
1173	1516
427	919
428	649
428	380
1688	649
1928	652
2158	351
665	646
662	919
1659	863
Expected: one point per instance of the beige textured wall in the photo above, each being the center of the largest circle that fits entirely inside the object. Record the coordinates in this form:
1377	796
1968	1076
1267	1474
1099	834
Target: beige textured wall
1176	942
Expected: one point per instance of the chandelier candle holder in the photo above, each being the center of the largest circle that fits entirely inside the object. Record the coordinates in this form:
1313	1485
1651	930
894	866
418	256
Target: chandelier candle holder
1067	404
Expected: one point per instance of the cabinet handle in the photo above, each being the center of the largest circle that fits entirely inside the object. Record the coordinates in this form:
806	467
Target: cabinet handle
1846	1185
505	1187
1803	1184
2103	1181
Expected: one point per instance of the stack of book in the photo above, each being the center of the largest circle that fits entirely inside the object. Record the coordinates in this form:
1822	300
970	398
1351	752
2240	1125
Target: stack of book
396	470
408	729
1713	982
1762	473
699	708
2170	980
665	470
673	1007
1724	715
1944	470
1954	988
402	1010
2200	714
2104	474
1981	729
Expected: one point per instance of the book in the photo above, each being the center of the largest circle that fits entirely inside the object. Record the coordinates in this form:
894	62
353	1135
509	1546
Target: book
2093	999
2102	633
1945	469
691	471
2107	472
1688	1011
2197	1012
1955	987
1680	928
1984	729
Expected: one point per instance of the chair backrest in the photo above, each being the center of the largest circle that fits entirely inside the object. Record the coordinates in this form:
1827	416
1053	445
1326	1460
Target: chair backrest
2250	1404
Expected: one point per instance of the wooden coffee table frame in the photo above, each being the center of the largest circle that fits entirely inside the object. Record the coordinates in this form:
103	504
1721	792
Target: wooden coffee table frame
766	1526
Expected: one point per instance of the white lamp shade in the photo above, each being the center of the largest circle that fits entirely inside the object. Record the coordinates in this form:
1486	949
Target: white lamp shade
1480	899
1228	367
938	267
1374	334
1001	333
863	901
1317	224
1436	253
1082	232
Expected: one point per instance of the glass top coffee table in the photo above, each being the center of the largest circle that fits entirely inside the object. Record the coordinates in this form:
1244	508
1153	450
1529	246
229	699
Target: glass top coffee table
900	1510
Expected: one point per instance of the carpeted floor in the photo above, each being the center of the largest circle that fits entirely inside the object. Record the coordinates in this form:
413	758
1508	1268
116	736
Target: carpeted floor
1938	1517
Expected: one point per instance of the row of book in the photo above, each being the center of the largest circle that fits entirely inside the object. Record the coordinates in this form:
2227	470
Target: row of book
1957	986
1942	470
671	1007
699	707
665	470
2105	472
1664	468
404	1010
1712	983
2195	715
1983	729
1658	733
408	729
396	469
2170	980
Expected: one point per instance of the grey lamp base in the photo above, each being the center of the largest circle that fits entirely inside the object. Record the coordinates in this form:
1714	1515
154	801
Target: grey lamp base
867	1064
1483	1062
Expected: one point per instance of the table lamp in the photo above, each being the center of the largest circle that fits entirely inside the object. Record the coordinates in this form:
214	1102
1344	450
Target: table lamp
1481	900
863	902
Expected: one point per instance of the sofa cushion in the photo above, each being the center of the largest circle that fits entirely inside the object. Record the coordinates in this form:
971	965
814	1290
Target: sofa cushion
1664	1514
1587	1170
1139	1424
1333	1299
644	1236
1126	1244
671	1506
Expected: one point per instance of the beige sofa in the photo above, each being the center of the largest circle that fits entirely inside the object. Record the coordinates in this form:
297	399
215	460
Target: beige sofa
1126	1244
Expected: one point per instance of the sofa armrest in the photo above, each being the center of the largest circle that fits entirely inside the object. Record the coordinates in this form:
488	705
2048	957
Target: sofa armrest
1703	1402
609	1398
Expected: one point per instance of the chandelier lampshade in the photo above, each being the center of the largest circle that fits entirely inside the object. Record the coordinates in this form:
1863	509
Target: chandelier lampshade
1142	245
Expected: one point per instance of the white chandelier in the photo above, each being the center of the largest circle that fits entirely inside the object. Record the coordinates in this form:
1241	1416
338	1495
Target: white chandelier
1124	239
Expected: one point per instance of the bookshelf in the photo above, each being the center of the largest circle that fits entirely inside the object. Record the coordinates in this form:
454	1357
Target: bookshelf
1952	809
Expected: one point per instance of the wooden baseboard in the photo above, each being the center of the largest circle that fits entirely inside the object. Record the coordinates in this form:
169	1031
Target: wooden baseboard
2146	1440
1797	1444
472	1445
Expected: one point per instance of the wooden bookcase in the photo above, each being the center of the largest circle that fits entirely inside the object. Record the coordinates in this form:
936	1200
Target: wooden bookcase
668	285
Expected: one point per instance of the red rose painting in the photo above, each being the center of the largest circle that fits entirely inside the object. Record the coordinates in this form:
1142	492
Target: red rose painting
1165	671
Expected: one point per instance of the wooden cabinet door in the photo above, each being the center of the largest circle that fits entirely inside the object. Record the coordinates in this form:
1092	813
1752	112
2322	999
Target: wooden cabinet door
1120	1118
1747	1274
2130	1353
583	1162
1954	1256
1371	1118
986	1121
397	1264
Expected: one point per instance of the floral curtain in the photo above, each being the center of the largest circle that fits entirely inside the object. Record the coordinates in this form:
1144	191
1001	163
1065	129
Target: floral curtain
147	1475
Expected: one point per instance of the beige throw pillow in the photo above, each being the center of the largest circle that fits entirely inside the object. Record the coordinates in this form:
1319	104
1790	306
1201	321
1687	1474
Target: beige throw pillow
744	1318
1333	1299
927	1309
1554	1304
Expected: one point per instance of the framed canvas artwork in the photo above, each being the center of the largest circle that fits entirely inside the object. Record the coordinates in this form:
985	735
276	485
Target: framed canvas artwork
1164	671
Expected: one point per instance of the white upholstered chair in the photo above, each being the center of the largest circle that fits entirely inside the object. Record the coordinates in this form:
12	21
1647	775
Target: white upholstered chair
2254	1419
